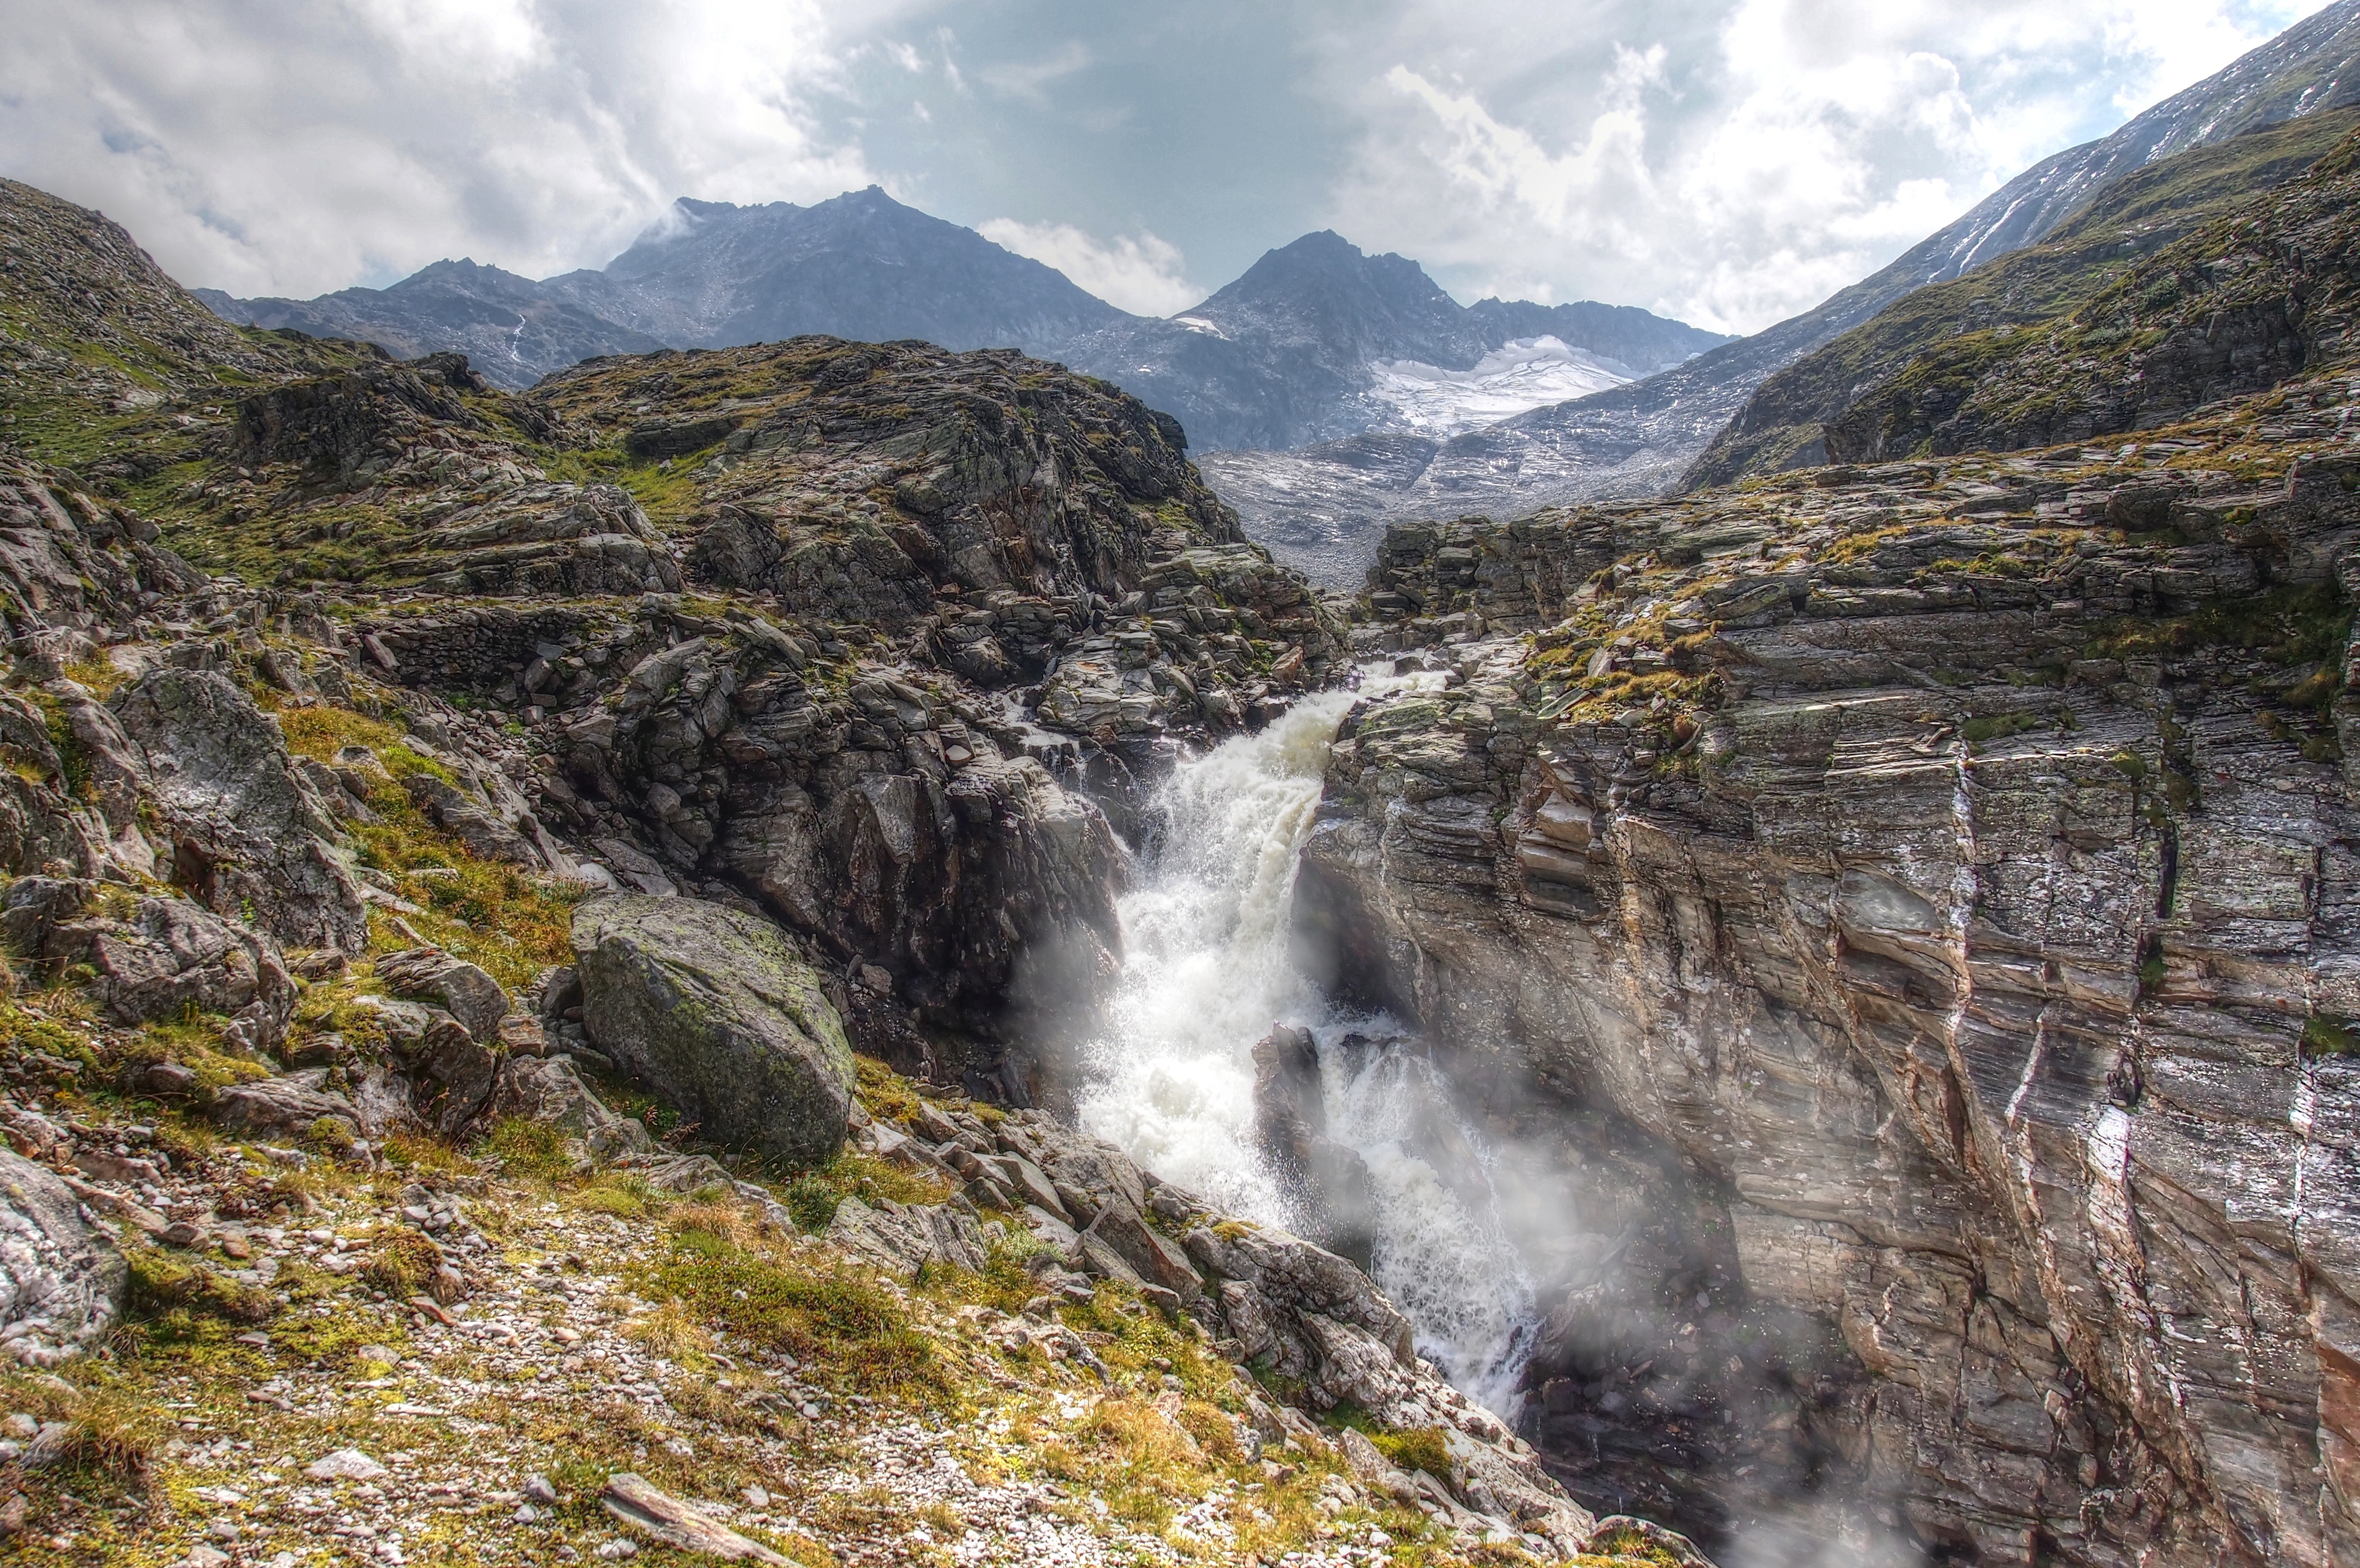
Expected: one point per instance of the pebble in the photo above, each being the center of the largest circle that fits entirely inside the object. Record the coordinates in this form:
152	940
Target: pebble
345	1464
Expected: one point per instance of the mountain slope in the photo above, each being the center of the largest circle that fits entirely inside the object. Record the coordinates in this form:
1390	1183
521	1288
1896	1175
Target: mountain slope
860	266
1289	353
2259	294
102	355
510	327
1640	438
1781	426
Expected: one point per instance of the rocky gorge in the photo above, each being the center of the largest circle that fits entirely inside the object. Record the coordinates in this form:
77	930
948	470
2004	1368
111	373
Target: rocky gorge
803	952
529	923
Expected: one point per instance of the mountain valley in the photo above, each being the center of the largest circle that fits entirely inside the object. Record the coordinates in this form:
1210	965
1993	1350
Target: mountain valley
731	908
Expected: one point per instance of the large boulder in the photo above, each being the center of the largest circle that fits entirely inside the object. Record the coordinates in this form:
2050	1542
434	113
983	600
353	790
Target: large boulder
61	1283
246	829
713	1010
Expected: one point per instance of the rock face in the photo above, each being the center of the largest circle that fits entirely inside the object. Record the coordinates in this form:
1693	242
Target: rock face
1947	864
155	958
61	1283
246	828
713	1010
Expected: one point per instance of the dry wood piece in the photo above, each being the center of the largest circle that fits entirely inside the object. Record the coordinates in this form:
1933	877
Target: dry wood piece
676	1523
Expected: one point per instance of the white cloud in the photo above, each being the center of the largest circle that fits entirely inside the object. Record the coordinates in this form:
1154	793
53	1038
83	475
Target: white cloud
1726	160
1031	78
1141	272
298	145
1776	151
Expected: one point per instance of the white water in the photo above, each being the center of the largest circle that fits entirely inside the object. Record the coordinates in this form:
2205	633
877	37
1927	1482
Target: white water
1208	973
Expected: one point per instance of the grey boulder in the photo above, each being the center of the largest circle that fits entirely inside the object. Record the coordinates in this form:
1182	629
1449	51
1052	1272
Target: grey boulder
903	1238
713	1010
287	1106
61	1283
244	826
467	993
548	1090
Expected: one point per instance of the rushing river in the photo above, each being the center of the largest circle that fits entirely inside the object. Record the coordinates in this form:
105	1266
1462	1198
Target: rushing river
1208	973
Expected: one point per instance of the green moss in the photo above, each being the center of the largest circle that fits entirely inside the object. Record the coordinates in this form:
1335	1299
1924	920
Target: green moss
847	1328
402	1263
531	1150
1420	1448
811	1201
2000	727
171	1289
2326	1036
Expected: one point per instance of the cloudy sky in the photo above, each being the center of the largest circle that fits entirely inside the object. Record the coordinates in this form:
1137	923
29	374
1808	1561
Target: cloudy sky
1725	161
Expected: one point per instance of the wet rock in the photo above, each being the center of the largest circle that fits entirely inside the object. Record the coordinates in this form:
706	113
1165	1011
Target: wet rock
61	1283
712	1010
1329	1181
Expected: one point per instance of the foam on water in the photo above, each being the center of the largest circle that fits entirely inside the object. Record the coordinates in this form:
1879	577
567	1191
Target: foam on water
1208	973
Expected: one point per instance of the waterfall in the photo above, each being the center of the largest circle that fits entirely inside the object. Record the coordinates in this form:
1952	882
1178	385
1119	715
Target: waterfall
1209	972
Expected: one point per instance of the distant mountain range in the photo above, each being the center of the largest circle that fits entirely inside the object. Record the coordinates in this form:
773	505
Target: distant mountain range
1317	340
1323	506
1327	391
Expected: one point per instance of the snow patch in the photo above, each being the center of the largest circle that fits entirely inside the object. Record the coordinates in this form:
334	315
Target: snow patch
1524	374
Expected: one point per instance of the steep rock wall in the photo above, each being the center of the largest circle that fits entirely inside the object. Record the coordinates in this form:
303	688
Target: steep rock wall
1957	871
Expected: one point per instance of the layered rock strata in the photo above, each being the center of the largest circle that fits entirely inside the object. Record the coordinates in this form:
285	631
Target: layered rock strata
1948	863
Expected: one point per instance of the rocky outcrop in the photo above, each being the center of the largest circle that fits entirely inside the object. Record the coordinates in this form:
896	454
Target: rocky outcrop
1947	865
1288	1307
549	1091
61	1283
70	563
151	958
464	990
246	829
713	1010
